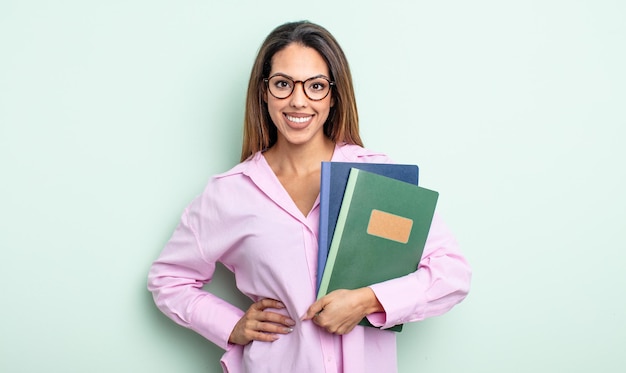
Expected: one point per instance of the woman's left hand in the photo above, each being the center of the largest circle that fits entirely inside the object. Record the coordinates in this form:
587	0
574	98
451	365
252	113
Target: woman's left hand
341	310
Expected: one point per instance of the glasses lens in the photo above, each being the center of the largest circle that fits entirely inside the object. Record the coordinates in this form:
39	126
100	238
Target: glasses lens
280	86
316	88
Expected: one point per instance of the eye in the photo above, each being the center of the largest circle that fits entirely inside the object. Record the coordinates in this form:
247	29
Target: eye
318	85
282	83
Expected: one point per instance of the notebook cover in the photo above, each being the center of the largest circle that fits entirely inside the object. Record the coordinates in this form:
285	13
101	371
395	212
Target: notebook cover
334	176
380	233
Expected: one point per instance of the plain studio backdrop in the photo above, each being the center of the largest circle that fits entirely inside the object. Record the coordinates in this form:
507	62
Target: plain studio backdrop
114	114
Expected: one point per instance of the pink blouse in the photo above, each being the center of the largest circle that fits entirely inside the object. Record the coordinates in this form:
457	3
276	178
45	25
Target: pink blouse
246	220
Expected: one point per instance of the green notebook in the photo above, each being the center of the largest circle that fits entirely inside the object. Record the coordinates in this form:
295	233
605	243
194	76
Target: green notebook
380	234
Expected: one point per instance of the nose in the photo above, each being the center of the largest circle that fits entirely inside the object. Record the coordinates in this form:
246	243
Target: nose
298	98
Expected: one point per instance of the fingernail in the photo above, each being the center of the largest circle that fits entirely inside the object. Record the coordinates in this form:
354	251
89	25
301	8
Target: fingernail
288	330
290	322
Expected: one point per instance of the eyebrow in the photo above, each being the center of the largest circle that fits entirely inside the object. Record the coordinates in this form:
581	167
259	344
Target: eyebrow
289	77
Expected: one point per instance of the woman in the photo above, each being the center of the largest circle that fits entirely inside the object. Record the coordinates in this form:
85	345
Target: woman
260	219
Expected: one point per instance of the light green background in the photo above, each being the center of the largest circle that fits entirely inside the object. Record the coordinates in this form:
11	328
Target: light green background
114	114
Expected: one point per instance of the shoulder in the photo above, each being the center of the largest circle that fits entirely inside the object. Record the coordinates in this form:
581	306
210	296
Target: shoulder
224	190
356	153
240	169
225	183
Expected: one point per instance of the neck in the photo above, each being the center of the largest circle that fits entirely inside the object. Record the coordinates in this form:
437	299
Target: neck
299	159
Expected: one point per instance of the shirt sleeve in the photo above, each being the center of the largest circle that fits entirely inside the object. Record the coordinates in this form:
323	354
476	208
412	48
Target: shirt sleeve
441	281
176	279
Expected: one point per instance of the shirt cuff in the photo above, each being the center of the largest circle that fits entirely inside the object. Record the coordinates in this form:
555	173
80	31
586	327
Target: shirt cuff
215	319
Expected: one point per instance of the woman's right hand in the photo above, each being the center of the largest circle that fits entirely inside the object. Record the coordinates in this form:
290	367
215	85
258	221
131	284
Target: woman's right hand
260	325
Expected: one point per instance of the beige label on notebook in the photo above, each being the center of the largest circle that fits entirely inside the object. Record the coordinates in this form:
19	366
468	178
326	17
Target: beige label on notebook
389	226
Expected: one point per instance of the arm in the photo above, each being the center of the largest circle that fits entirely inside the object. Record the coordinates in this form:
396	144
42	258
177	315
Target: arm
176	279
441	281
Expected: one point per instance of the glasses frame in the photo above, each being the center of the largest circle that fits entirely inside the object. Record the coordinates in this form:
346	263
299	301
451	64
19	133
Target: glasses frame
331	84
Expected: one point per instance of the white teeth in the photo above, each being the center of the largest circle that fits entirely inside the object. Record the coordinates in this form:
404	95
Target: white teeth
298	119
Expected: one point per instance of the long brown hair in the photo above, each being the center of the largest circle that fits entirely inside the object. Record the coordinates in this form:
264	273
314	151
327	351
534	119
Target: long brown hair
342	125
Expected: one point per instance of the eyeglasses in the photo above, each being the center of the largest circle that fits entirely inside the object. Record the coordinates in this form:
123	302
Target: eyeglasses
281	86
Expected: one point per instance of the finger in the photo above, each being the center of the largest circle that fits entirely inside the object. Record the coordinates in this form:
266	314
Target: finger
267	303
268	327
275	318
314	309
343	328
261	315
261	336
333	327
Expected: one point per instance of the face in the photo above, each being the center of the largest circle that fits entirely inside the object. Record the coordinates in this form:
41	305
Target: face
299	120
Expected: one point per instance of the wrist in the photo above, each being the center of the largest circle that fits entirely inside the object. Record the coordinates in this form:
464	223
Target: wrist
373	304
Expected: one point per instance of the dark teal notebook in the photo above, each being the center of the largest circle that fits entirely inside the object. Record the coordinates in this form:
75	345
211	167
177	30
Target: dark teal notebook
380	233
332	187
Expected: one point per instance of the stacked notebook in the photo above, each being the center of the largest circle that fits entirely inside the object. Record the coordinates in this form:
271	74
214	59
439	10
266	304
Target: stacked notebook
374	221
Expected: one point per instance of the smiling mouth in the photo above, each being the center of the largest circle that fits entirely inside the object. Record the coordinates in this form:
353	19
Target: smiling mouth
298	119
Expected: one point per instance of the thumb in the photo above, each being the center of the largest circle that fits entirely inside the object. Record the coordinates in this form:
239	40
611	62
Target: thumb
314	309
